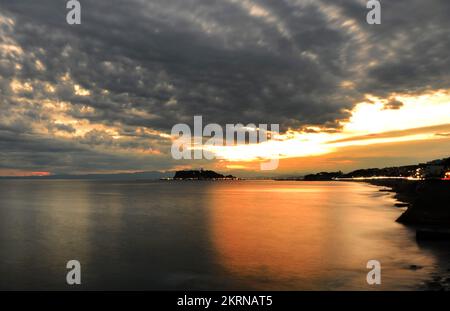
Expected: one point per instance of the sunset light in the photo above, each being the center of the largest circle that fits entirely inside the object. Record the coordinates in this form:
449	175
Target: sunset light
425	117
215	154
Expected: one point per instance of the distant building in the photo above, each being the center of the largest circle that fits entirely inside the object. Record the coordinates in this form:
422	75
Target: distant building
434	171
429	171
418	173
447	175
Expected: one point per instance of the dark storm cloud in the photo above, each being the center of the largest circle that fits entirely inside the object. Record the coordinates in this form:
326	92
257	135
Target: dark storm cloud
156	63
58	156
410	48
393	104
209	58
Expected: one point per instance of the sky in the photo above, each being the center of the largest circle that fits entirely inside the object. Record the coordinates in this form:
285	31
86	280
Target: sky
103	96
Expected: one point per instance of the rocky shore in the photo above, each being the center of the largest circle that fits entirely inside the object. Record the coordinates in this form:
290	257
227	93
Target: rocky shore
428	211
427	202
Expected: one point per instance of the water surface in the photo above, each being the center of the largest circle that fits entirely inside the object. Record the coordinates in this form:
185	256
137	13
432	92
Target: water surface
267	235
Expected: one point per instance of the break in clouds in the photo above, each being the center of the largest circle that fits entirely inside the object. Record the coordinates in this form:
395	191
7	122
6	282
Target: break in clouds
104	95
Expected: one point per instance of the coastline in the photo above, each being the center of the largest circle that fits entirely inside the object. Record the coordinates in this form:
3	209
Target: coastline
427	201
428	212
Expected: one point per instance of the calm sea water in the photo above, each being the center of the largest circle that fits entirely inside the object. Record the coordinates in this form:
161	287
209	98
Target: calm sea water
262	235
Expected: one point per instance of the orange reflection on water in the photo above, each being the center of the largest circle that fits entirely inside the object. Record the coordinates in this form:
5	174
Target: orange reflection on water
294	235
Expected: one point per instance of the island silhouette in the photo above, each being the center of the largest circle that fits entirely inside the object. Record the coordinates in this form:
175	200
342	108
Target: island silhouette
201	175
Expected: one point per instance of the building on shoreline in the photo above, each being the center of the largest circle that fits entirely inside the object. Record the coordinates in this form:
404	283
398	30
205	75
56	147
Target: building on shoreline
447	176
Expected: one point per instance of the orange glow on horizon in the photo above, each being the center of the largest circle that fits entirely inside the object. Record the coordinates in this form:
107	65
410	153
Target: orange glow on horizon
21	173
418	118
40	174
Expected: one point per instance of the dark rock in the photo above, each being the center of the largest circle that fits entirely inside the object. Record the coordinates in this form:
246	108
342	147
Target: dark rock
432	235
434	285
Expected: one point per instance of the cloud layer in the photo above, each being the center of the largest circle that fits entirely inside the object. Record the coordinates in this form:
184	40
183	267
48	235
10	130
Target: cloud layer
104	95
